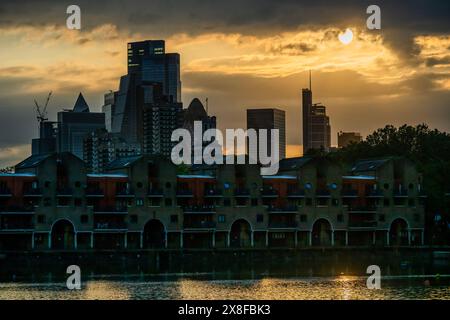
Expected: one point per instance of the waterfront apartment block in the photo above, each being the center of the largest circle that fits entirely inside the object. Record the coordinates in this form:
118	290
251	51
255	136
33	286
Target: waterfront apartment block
146	202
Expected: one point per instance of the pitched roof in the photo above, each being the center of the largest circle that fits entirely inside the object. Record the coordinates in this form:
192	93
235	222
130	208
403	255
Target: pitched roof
81	104
293	163
124	162
368	165
33	161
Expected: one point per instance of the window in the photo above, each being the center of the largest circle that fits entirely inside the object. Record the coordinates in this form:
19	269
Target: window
168	185
411	186
168	202
227	202
254	202
139	185
77	184
41	218
303	218
221	218
417	217
259	218
340	218
84	218
63	202
139	202
322	202
335	202
133	218
386	186
411	202
386	202
382	218
174	218
308	202
47	184
78	202
47	202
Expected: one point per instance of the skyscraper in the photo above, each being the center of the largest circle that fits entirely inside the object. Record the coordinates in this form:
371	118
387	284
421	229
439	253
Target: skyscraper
75	124
149	59
269	119
345	138
316	123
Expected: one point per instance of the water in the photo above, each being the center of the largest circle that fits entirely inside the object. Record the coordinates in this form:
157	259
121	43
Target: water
219	286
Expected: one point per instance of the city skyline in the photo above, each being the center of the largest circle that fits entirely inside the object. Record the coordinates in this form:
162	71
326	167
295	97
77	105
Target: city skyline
382	77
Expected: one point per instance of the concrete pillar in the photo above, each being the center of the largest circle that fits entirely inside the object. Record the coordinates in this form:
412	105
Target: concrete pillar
165	240
387	238
252	240
125	240
141	240
213	242
32	240
332	238
75	240
181	240
346	238
310	238
267	238
92	240
228	239
49	240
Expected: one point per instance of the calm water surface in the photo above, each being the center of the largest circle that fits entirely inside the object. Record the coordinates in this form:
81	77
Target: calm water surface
212	287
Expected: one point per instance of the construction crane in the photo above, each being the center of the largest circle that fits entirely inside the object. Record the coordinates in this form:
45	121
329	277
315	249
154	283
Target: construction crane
41	112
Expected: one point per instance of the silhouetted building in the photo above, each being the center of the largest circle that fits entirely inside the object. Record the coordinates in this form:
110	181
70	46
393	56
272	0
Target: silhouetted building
316	123
46	143
268	119
75	124
108	108
345	138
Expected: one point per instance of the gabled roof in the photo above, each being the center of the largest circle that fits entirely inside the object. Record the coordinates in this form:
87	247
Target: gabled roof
368	165
293	163
124	162
33	161
81	104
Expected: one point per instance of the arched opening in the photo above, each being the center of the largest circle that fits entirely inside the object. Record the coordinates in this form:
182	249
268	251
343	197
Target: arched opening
398	233
321	233
154	234
63	235
240	235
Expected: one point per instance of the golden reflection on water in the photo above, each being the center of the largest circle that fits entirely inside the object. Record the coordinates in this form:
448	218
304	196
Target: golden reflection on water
340	287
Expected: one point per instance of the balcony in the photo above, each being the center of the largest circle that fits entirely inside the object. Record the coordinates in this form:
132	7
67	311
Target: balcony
321	193
110	226
94	193
199	225
400	193
199	209
32	192
269	193
349	193
5	192
374	194
17	210
64	192
110	210
283	209
362	209
282	224
241	193
213	193
365	224
155	193
297	193
11	226
124	193
185	193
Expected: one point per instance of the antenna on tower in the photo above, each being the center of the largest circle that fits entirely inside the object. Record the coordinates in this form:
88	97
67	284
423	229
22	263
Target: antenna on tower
310	80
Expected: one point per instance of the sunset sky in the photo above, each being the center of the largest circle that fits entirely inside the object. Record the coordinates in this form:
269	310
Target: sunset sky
239	54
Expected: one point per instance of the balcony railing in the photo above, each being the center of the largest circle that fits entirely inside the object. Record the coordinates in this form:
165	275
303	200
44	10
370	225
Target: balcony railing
199	224
124	193
289	208
269	193
64	192
362	224
296	193
213	193
283	224
184	193
94	192
322	193
111	210
374	194
242	192
400	193
32	192
349	193
155	192
17	209
199	209
110	225
16	225
5	192
363	209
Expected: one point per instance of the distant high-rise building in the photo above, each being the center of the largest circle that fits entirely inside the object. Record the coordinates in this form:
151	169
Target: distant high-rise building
149	59
316	123
345	138
75	124
269	119
159	119
108	109
101	147
46	143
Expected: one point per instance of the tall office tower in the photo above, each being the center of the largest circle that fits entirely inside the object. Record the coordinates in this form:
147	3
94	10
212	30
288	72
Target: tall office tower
46	143
75	124
108	108
268	119
160	118
149	60
316	123
345	138
197	112
100	147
